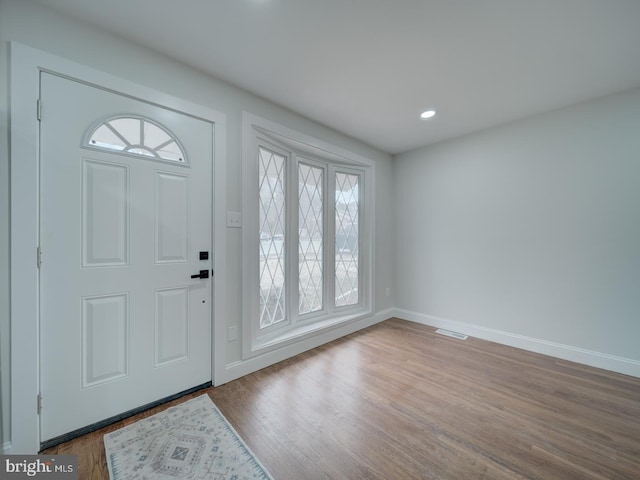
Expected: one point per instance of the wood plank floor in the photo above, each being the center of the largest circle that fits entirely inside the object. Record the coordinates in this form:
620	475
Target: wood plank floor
397	401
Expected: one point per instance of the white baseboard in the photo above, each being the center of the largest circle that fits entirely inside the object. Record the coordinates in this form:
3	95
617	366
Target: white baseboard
605	361
5	448
250	365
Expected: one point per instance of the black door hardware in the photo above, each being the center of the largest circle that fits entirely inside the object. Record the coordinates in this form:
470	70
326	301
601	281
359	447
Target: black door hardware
202	274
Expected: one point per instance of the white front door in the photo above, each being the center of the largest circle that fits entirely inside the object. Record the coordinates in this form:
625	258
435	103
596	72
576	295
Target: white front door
126	210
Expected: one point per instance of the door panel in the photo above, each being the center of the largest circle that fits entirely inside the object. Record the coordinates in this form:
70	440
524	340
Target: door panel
123	323
105	219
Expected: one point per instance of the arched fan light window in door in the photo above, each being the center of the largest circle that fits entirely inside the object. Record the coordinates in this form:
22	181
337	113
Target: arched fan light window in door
136	136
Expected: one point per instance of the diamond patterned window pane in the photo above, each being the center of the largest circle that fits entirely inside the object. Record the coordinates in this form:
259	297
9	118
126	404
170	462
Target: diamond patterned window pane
271	175
136	136
347	238
310	246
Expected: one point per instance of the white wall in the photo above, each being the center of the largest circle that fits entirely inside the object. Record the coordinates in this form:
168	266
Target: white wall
35	26
531	229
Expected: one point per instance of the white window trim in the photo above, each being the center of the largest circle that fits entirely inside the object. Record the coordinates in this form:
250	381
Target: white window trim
256	131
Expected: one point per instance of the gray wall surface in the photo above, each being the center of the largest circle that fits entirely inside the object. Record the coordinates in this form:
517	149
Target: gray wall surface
532	228
38	27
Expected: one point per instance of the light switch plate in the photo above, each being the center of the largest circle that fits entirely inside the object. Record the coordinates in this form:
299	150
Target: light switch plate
234	219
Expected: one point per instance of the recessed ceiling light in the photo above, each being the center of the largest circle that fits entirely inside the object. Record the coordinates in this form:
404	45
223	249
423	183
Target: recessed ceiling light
428	114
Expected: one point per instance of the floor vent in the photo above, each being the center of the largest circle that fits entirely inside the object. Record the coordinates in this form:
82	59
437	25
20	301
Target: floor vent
449	333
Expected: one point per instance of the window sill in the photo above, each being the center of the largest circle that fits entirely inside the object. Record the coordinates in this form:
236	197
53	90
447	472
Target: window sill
292	335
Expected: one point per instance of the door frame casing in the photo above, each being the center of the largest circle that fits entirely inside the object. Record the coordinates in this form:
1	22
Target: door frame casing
26	65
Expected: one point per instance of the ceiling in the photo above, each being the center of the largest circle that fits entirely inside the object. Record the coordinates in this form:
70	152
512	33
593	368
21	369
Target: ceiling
367	68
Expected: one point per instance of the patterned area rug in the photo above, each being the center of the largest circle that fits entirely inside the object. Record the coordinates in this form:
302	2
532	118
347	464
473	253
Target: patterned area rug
192	440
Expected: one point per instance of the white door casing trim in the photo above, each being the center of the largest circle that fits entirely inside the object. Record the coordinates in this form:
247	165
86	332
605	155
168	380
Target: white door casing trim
26	65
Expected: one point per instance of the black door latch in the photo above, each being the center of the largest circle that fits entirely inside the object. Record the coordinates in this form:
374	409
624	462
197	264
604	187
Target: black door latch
202	274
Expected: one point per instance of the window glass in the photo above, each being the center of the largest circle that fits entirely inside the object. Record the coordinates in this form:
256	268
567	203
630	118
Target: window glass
136	136
347	238
310	237
271	176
